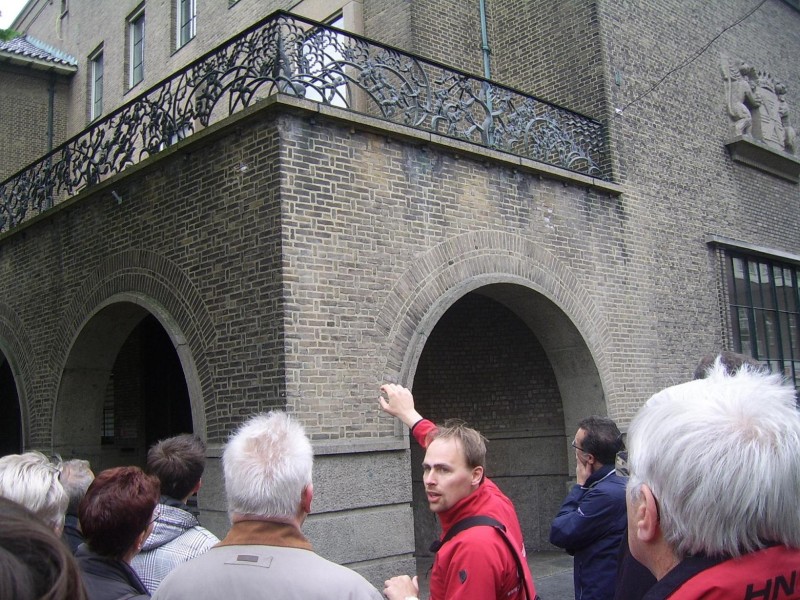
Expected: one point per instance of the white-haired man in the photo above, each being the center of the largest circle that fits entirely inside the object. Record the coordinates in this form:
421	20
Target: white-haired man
712	496
30	479
267	467
76	476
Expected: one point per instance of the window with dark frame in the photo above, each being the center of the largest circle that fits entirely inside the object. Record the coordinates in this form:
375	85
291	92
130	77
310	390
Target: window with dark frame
96	85
338	95
764	302
136	52
186	21
108	425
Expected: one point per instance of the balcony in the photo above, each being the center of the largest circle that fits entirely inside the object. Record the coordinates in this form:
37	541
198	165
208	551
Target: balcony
284	54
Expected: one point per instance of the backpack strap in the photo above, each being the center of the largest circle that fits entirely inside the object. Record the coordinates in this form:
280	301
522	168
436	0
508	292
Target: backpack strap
463	524
481	520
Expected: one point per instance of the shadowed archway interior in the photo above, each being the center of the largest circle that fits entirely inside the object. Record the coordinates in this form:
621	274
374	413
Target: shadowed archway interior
10	414
122	389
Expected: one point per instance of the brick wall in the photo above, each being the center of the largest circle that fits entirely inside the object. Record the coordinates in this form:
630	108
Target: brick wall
482	364
24	101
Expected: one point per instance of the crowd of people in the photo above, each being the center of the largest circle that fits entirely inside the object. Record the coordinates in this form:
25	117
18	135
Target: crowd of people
699	501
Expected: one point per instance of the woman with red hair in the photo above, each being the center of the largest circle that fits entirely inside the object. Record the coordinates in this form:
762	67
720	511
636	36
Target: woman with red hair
116	516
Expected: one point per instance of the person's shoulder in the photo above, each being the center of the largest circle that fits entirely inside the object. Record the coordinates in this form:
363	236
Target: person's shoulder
200	532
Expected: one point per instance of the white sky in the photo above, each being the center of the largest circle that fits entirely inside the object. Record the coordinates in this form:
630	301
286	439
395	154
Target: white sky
9	9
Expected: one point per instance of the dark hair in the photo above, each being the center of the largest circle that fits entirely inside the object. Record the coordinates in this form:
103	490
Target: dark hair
472	442
602	439
34	563
732	361
178	462
116	509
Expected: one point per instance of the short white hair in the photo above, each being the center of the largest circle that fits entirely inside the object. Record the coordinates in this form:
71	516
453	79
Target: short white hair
30	479
267	463
722	458
76	476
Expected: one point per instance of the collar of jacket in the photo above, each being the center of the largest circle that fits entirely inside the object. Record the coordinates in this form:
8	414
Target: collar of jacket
477	503
265	533
598	476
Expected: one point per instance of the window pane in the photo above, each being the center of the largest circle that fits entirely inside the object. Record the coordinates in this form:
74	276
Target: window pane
324	79
187	14
739	287
97	86
137	50
786	336
745	346
764	304
755	285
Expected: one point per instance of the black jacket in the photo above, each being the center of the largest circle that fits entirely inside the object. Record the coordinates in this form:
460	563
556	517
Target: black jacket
72	534
108	578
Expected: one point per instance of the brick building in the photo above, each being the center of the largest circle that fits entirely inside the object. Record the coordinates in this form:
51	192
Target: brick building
298	253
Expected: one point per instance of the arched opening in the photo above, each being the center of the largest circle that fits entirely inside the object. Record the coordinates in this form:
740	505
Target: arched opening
509	362
123	388
10	414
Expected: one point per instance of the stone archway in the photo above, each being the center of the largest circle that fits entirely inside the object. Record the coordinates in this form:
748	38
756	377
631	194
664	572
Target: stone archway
506	360
546	299
126	383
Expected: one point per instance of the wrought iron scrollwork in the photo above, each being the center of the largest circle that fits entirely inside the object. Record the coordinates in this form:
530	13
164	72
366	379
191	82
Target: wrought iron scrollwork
288	55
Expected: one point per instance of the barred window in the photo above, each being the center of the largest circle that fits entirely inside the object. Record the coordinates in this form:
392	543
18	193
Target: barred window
765	311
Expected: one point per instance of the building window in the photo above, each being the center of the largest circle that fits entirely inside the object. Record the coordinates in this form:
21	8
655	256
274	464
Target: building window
108	424
95	85
136	48
186	22
764	307
323	60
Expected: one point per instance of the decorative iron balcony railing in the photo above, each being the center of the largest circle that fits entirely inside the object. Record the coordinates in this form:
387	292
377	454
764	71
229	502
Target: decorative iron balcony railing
289	55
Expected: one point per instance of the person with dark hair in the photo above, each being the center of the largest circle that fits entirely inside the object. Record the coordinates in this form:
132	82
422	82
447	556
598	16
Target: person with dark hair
117	515
731	361
178	462
591	521
34	562
76	476
481	553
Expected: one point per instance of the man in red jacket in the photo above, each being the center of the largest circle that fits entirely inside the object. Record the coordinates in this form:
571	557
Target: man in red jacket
474	560
712	495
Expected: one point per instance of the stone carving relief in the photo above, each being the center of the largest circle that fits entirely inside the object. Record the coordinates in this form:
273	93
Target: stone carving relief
757	105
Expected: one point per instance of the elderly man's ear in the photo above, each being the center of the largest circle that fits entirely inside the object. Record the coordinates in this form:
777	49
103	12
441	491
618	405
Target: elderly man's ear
306	497
646	519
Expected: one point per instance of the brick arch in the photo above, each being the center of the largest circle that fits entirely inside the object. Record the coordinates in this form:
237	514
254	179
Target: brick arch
159	287
17	349
529	280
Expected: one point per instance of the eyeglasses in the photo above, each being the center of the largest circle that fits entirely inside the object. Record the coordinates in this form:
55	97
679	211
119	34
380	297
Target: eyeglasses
156	514
574	445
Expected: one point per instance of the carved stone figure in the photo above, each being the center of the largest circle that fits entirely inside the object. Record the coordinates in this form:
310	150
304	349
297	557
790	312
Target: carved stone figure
770	125
741	83
789	133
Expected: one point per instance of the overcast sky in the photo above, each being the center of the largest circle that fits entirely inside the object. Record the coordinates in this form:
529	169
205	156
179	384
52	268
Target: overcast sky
9	9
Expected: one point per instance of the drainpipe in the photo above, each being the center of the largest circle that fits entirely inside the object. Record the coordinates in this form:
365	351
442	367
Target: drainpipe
51	101
487	73
485	39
